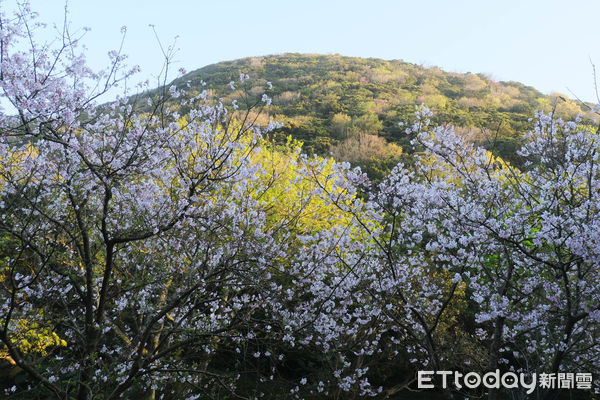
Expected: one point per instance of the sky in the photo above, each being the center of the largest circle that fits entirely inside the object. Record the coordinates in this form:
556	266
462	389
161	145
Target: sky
548	44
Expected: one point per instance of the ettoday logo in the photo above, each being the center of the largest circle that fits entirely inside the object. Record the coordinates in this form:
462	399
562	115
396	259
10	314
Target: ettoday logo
508	380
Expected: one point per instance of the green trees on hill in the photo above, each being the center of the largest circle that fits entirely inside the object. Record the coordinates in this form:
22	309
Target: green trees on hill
323	100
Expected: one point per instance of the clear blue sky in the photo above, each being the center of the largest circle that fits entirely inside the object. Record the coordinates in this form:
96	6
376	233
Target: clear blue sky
544	43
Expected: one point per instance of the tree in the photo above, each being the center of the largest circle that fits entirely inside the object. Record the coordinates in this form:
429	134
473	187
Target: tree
472	260
134	238
148	253
340	125
521	241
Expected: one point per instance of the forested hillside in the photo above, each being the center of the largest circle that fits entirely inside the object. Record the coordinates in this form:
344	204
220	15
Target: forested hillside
351	106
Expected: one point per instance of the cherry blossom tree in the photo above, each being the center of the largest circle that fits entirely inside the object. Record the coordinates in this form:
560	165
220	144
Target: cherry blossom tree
138	242
522	241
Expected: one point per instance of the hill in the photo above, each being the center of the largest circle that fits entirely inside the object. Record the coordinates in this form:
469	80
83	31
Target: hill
351	106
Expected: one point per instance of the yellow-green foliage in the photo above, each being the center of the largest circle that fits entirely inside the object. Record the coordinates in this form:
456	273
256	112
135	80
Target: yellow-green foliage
27	335
288	187
33	338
